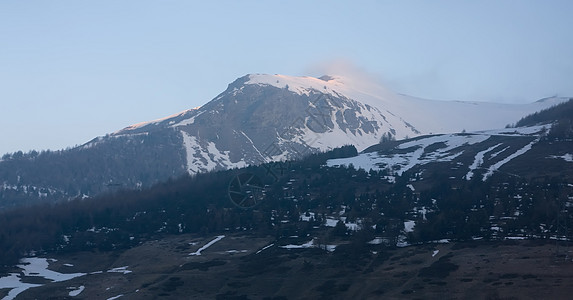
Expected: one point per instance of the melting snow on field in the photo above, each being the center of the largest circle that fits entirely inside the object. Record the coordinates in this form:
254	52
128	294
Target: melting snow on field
209	244
409	226
305	245
497	165
441	148
478	161
566	157
310	244
122	270
33	267
419	156
265	248
76	291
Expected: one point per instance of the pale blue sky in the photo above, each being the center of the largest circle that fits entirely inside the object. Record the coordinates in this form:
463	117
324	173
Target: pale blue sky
73	70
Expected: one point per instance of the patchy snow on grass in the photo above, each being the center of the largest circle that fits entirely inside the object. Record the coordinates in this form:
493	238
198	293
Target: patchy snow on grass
76	291
305	245
566	157
515	238
438	148
198	252
378	241
310	244
402	162
478	161
409	226
497	165
330	248
264	248
32	267
305	218
122	270
353	226
16	286
236	251
330	222
36	266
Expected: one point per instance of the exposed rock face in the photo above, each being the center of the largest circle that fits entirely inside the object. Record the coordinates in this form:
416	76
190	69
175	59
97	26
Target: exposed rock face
259	118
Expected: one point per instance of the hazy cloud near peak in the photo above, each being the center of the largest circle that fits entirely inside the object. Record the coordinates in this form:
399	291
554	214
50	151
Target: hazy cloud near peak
358	76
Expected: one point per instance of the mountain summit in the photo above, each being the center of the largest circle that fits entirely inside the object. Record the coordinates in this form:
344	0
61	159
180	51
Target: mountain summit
262	118
258	118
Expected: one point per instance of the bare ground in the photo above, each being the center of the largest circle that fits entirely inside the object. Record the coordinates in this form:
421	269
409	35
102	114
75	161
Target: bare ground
232	269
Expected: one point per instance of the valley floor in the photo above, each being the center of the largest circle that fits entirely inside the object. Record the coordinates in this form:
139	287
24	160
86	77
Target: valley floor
239	266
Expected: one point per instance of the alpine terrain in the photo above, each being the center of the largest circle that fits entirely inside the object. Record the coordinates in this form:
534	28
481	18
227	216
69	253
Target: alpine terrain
258	119
300	188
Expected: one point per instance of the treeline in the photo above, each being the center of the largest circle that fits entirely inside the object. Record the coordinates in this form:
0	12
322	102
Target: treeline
125	162
560	114
560	111
198	204
504	205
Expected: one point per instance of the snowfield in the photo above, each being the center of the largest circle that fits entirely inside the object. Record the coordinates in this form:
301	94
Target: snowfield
427	116
347	101
34	267
421	152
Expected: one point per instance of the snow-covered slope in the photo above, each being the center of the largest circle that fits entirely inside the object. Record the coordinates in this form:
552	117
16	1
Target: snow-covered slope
262	118
427	116
467	154
259	118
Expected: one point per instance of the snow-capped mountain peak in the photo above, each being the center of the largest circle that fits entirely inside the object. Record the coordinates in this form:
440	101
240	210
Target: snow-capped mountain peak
262	117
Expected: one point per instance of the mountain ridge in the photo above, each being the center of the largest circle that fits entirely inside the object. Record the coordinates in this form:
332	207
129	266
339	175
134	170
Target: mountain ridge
257	119
378	96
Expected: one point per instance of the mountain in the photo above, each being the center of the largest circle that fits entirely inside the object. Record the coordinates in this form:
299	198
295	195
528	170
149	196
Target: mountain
483	213
258	118
541	146
468	156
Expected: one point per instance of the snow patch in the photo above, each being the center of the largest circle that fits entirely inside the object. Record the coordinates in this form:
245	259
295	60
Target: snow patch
309	244
198	252
265	248
405	161
122	270
409	226
33	267
236	251
478	161
188	121
204	158
76	291
497	165
566	157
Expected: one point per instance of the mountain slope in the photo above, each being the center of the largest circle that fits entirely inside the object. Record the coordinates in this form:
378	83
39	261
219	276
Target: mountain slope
257	119
522	152
263	118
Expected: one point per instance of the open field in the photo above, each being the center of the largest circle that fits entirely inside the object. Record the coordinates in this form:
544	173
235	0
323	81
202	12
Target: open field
231	268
